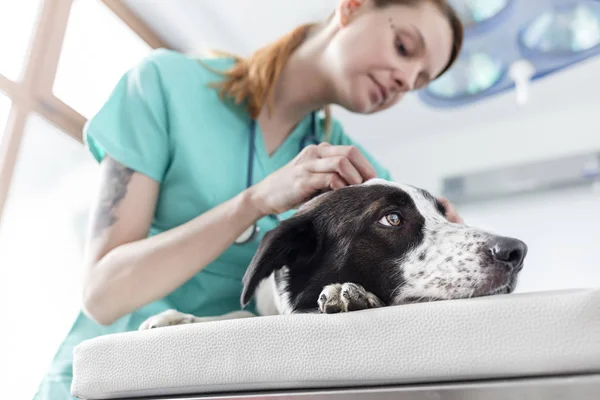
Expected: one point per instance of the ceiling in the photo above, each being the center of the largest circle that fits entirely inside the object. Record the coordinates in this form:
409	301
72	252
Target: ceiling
242	26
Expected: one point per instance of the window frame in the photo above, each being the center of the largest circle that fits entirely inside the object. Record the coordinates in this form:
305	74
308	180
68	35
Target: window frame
33	91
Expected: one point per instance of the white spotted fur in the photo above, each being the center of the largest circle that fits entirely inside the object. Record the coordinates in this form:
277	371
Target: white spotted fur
271	297
434	276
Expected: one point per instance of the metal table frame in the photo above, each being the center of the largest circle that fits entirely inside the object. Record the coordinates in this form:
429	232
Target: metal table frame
578	387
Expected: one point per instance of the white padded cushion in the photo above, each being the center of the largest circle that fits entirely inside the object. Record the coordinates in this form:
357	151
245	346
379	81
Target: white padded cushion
517	335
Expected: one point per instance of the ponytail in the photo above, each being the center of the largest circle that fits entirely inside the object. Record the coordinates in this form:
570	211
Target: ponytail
252	79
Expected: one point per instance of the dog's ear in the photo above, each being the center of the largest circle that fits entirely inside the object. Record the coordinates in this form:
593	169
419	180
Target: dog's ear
293	244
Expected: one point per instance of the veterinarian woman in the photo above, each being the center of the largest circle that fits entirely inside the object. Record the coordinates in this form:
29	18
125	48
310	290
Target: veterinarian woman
193	154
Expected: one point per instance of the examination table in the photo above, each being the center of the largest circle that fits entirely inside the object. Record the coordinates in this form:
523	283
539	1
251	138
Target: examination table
534	346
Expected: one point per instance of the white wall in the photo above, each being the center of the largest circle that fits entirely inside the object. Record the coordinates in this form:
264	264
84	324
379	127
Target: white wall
562	228
519	137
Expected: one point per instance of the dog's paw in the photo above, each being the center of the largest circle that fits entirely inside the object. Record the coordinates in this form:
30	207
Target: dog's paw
346	297
167	318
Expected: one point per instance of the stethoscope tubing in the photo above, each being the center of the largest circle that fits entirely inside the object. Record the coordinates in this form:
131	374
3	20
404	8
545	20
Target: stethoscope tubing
250	233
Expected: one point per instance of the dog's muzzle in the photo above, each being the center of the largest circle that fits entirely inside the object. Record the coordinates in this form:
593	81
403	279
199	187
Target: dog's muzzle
509	252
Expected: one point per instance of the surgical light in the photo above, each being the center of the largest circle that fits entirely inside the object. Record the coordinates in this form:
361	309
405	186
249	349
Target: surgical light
473	12
570	29
521	72
509	44
473	73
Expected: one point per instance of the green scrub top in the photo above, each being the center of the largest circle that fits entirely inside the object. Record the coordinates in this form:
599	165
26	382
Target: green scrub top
164	121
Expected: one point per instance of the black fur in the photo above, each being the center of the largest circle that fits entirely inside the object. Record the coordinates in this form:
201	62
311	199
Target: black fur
339	237
339	240
293	243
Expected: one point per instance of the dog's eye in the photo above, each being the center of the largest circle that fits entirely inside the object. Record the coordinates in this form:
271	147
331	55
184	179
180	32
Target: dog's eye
391	219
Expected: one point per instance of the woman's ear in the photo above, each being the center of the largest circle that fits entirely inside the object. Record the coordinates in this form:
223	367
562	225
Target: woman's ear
293	244
346	10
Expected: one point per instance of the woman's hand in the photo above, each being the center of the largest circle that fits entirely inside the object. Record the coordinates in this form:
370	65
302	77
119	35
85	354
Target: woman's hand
451	213
316	168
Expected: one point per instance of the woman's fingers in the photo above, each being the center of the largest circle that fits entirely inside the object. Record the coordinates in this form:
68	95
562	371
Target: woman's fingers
451	213
338	164
323	181
358	160
337	183
329	167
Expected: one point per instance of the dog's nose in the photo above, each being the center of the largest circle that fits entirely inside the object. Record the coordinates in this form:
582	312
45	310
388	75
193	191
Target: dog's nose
509	251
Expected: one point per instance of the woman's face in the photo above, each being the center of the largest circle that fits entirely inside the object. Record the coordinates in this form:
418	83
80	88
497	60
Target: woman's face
379	54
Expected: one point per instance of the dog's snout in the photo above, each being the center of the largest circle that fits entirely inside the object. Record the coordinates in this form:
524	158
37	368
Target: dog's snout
509	251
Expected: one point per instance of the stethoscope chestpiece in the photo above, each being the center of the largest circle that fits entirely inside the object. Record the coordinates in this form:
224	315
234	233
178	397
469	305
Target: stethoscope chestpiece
248	235
252	231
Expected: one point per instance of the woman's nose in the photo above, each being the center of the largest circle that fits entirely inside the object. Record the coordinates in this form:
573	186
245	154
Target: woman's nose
406	78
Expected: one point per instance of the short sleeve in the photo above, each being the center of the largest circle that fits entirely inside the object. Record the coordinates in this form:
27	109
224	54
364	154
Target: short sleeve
132	125
340	138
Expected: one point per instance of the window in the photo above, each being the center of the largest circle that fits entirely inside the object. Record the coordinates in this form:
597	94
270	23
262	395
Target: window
41	244
5	105
17	22
98	49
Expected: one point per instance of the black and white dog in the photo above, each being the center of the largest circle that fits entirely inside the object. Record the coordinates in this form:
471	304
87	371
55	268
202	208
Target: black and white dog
371	245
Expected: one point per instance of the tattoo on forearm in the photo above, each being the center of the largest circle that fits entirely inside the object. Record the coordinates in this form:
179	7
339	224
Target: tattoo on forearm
119	177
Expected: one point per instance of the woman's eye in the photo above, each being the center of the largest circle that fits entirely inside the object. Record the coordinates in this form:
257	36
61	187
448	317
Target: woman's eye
401	48
391	219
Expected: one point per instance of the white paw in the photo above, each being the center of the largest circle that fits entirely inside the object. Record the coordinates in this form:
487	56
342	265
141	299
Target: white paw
167	318
346	297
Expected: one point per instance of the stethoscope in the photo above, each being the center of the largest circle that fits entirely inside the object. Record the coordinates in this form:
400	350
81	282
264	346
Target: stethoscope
310	138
